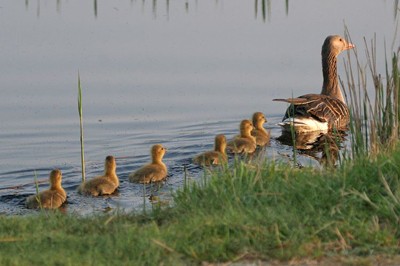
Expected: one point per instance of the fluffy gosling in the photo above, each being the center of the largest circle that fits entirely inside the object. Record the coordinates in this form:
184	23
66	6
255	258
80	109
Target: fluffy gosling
154	171
245	143
102	185
51	198
259	132
215	157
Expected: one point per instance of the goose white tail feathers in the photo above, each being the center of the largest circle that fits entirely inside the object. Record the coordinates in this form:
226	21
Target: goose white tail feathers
315	112
303	125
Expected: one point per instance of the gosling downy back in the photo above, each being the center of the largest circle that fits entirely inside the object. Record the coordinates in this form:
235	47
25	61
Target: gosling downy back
102	185
215	157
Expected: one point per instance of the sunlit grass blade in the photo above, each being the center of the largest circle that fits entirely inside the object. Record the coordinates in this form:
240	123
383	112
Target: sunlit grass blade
81	128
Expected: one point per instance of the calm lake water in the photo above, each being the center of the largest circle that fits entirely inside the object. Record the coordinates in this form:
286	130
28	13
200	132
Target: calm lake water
171	72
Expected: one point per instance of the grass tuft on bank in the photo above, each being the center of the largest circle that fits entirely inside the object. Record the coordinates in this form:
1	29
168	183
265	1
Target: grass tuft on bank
265	212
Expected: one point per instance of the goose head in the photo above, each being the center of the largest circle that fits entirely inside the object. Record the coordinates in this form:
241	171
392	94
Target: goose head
335	44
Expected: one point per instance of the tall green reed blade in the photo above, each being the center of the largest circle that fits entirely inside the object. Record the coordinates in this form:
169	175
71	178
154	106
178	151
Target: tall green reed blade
293	135
37	191
396	92
144	198
374	124
81	128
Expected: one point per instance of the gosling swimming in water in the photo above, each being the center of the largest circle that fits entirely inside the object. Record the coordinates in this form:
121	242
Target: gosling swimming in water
259	132
51	198
245	143
102	185
217	156
154	171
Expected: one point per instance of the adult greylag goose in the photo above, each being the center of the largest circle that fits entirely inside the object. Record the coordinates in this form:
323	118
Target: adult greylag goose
325	111
217	156
154	171
51	198
245	143
259	132
102	185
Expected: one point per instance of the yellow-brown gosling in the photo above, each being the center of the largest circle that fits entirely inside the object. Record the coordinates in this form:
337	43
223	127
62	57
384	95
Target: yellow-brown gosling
51	198
259	132
154	171
245	143
102	185
215	157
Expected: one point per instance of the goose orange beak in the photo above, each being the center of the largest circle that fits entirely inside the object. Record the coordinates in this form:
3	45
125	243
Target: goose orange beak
349	46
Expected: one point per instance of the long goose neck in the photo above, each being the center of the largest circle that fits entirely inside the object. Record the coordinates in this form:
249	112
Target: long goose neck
330	86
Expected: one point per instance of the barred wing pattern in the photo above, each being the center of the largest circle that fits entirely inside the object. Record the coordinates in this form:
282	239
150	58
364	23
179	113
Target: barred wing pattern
319	107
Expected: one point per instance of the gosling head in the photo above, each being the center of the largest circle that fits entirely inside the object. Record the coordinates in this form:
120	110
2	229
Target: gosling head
220	143
55	178
157	152
259	119
246	127
109	164
335	44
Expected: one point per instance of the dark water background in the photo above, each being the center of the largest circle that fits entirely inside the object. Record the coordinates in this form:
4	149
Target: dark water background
171	72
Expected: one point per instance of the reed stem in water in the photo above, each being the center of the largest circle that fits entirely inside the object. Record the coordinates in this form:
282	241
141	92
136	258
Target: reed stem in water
81	128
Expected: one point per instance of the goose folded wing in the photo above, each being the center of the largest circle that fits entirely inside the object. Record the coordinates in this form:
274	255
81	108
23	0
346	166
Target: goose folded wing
320	107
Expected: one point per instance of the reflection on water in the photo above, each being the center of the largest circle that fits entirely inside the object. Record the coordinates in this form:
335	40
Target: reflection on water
95	8
261	6
323	147
266	8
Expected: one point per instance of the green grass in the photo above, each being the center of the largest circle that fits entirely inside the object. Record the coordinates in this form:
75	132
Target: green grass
259	212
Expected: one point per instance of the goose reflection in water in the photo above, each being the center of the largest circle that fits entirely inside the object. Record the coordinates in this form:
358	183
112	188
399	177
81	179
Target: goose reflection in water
323	147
